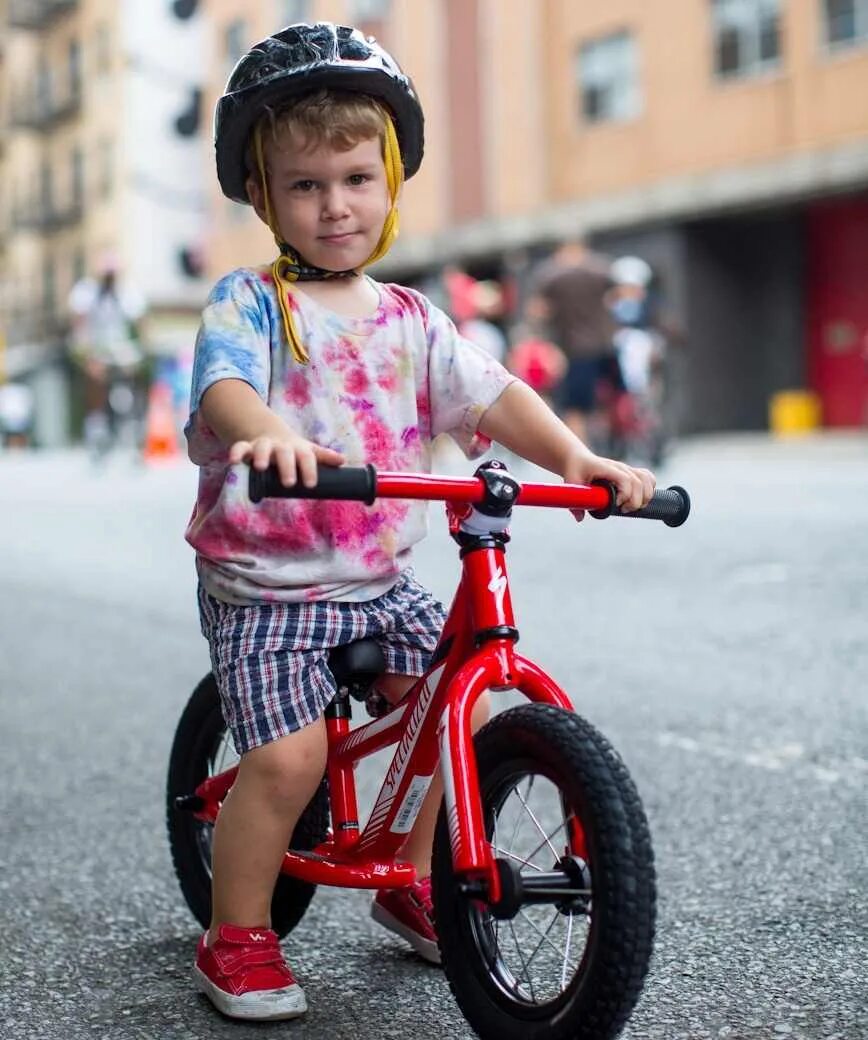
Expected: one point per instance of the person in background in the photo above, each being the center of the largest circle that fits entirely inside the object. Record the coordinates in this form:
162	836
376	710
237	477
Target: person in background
538	362
487	305
104	341
16	414
568	303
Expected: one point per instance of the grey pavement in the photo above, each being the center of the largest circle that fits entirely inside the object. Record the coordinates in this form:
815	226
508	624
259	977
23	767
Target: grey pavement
726	660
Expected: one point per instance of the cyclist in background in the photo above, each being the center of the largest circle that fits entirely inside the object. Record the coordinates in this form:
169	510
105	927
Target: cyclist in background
104	342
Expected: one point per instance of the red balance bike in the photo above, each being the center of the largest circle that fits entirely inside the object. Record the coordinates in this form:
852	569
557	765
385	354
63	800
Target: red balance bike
543	873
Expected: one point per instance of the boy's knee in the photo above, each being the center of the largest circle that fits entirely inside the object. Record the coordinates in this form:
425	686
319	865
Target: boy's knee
288	768
394	687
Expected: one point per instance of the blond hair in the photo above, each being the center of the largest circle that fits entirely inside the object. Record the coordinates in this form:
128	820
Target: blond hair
336	119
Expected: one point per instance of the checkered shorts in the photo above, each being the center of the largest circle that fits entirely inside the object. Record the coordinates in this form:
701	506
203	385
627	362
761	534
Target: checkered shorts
271	660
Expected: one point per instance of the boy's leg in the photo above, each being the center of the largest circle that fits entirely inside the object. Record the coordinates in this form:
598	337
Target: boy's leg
408	912
418	846
239	964
275	782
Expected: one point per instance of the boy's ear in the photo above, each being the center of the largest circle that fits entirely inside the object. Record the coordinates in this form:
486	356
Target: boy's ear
257	196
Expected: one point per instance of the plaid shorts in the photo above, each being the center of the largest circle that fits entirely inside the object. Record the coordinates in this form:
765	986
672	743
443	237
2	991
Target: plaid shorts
271	660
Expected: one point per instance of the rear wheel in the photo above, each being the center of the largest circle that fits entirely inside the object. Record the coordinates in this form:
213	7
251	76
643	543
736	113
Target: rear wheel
203	748
564	954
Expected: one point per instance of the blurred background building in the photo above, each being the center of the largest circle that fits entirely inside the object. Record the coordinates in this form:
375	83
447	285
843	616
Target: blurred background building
101	143
724	141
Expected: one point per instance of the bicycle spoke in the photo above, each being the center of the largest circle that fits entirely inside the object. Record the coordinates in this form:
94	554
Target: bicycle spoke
518	859
519	819
567	952
544	935
546	839
524	964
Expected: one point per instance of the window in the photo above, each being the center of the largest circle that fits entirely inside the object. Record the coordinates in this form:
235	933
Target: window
234	43
105	169
102	54
291	11
369	10
845	22
608	74
76	171
746	36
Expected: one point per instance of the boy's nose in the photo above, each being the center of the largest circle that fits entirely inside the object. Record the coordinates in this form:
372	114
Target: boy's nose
334	203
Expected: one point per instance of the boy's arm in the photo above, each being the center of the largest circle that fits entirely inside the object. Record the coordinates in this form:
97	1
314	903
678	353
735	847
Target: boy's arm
521	421
255	434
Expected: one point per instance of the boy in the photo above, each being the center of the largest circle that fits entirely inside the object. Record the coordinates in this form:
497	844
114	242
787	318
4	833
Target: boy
317	129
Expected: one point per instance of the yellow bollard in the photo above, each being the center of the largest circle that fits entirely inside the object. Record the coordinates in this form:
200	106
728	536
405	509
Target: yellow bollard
794	412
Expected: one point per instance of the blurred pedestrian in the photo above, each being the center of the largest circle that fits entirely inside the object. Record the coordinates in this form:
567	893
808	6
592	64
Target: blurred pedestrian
538	362
104	341
568	301
16	414
485	307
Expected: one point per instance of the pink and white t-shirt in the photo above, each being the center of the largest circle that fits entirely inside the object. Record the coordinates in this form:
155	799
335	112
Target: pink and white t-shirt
378	389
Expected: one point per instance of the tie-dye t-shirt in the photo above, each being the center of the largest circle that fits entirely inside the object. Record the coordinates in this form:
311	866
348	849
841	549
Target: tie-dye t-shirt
378	389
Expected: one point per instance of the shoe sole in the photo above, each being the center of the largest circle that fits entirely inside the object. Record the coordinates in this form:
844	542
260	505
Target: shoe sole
262	1006
426	949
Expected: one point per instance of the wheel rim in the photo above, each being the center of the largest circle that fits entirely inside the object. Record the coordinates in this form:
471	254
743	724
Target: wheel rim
221	757
536	958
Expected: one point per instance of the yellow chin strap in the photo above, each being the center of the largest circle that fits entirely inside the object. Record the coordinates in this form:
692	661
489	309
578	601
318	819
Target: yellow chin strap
289	267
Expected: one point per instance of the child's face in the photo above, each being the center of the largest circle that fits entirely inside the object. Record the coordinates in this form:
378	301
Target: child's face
329	205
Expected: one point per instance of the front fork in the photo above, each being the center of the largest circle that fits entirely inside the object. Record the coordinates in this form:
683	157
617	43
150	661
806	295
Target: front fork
496	666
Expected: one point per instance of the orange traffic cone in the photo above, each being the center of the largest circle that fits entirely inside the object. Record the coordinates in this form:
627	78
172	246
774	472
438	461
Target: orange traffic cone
161	438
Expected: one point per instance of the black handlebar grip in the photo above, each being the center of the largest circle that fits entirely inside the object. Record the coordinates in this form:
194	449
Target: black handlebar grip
347	483
671	505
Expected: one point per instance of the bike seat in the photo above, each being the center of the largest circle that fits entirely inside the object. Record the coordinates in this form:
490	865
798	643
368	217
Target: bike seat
356	665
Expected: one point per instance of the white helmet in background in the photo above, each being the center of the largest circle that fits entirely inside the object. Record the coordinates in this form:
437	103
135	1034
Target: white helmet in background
631	270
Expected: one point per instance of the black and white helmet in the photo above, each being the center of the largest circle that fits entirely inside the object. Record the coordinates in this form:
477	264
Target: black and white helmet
296	61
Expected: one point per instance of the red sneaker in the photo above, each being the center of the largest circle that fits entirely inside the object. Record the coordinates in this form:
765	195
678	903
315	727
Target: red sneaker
244	975
408	912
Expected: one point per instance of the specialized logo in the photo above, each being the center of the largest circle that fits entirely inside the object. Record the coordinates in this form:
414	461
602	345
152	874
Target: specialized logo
497	586
402	755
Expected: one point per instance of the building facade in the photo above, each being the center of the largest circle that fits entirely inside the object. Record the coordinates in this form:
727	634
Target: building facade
101	160
726	141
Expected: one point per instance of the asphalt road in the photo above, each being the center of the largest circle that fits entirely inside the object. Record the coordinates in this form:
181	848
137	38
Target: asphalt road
726	660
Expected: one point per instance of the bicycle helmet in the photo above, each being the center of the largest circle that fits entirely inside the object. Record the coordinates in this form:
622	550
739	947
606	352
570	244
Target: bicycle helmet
631	270
300	59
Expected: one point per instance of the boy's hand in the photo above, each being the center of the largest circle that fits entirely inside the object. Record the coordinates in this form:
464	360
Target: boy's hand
294	457
634	486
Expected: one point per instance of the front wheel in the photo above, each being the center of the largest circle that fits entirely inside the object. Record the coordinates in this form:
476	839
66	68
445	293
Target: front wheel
203	747
559	807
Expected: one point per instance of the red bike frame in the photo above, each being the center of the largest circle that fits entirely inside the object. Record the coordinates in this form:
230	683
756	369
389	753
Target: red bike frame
432	724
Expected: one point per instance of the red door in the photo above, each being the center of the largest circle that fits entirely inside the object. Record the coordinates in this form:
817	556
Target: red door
838	309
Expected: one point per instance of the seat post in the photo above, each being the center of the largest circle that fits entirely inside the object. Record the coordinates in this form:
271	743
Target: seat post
342	780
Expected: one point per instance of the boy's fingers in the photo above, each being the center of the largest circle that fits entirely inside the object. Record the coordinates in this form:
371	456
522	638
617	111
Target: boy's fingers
262	449
306	462
284	459
328	456
239	452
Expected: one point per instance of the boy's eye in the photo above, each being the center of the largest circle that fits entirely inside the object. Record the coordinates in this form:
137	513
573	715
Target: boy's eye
357	179
305	185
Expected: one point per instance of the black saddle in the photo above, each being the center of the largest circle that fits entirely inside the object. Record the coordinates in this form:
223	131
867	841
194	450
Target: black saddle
356	666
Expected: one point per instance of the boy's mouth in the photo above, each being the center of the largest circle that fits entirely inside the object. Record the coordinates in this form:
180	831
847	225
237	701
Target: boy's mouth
338	239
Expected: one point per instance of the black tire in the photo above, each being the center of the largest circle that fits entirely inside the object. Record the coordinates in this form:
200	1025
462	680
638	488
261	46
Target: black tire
592	787
200	738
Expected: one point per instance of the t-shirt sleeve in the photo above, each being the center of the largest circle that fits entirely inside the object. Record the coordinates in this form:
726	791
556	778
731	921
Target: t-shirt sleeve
464	380
233	340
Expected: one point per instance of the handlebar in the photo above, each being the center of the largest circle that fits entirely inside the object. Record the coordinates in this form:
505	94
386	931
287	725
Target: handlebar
366	484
